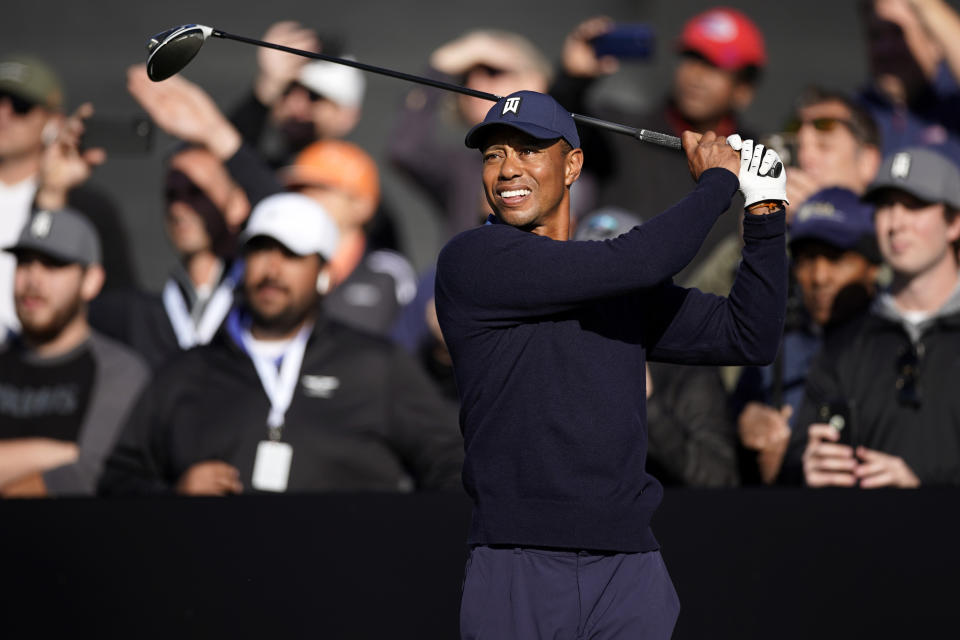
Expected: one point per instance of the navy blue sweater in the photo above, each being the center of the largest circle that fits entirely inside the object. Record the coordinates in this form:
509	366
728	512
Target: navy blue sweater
549	342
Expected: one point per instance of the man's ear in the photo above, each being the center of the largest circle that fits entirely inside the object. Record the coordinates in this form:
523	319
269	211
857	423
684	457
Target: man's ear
573	164
92	282
868	163
324	280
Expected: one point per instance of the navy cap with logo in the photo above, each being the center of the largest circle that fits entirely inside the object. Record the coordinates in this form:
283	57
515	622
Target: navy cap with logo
836	217
64	235
536	114
921	172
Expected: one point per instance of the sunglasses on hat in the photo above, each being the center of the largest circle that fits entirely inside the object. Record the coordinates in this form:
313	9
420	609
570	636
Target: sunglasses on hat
20	106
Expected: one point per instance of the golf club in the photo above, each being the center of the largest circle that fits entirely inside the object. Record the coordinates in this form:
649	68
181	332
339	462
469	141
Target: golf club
170	51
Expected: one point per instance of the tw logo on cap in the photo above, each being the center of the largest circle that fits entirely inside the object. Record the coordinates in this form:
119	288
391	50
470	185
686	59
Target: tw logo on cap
900	167
512	105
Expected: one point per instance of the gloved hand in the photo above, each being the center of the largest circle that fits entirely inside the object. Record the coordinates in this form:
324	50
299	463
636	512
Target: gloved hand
756	182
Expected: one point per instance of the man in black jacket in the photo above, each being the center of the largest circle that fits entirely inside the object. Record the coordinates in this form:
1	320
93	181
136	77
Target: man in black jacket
285	399
881	406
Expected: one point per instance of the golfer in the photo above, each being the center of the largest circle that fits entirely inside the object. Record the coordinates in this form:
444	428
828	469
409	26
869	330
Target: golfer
549	340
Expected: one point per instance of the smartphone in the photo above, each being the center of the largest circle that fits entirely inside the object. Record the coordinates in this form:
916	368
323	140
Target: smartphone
121	135
839	416
626	40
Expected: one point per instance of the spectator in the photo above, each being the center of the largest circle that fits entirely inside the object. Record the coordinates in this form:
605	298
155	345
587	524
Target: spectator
892	369
31	99
721	56
837	144
691	439
204	208
185	111
914	89
368	286
64	389
497	62
296	101
342	411
835	262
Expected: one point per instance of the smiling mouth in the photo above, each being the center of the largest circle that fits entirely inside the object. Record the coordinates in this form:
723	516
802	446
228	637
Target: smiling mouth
513	196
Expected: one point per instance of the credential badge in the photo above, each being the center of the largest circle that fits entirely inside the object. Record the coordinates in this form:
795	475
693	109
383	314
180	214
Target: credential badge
512	105
41	224
900	167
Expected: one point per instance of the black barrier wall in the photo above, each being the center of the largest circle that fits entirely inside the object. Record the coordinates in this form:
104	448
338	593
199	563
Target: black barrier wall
747	564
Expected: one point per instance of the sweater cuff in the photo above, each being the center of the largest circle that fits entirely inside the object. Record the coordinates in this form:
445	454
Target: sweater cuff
759	227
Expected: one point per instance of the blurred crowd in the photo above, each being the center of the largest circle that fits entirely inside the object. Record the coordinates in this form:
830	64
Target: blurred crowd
295	348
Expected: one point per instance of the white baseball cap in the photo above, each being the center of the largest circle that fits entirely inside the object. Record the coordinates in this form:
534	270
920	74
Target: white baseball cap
336	82
297	222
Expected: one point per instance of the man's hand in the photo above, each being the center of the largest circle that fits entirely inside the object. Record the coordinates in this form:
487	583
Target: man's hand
28	486
458	56
878	469
210	478
64	166
579	58
826	463
277	69
800	186
761	426
185	111
757	184
766	431
708	152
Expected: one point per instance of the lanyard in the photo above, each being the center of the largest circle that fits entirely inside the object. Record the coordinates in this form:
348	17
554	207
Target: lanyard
189	333
279	385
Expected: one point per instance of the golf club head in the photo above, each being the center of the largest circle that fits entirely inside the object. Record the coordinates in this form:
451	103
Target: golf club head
170	51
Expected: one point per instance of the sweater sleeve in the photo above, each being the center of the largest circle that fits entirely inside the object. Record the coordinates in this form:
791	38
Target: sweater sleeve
119	379
498	272
688	326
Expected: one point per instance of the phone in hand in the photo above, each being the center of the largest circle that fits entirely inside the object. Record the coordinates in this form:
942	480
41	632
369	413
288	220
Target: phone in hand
120	135
626	40
838	415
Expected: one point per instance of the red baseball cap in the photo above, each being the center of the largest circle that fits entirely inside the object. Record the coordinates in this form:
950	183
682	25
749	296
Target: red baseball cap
726	38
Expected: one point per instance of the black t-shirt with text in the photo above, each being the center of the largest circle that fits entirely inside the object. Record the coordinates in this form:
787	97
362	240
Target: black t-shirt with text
44	398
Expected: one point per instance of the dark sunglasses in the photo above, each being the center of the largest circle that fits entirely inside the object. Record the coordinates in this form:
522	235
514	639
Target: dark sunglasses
20	106
908	366
312	95
820	124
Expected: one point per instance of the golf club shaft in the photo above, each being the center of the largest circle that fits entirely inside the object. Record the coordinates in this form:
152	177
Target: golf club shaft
643	135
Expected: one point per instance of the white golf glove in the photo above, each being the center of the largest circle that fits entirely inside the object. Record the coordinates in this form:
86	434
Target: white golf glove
756	161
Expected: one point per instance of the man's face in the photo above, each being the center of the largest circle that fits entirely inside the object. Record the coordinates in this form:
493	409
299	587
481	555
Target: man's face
280	286
211	185
21	127
347	210
826	147
833	281
47	294
305	116
703	92
526	179
914	236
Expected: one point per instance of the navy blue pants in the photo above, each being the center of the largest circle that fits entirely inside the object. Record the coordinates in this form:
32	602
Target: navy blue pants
528	594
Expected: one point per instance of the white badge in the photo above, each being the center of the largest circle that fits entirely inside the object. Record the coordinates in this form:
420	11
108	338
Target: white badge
271	469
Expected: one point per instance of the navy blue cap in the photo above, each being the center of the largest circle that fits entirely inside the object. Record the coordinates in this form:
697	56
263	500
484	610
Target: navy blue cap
837	217
536	114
